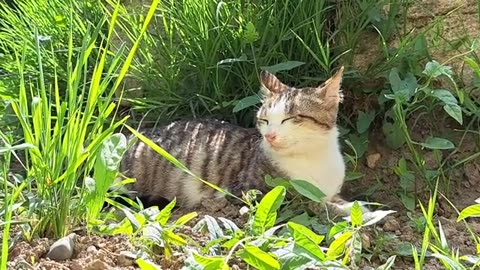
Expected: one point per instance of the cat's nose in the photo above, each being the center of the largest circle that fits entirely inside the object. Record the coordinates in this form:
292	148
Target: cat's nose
270	137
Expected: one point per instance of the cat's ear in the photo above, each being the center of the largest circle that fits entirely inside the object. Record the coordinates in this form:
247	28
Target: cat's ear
270	84
331	88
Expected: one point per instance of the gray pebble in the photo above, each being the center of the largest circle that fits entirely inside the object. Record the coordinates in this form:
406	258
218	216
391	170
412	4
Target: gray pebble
62	249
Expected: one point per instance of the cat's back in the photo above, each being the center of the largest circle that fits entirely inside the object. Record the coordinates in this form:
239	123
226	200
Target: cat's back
214	150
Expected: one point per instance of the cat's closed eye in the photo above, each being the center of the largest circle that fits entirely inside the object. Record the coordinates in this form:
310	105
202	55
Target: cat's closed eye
262	121
295	119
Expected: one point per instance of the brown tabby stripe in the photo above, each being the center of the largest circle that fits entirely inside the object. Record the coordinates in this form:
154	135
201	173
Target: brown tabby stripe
177	188
223	156
206	162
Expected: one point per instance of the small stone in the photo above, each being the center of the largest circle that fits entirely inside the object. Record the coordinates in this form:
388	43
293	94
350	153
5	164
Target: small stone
472	171
126	258
391	225
92	250
372	160
62	249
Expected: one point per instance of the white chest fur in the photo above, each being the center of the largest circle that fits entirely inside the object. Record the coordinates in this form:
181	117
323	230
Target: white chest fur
325	169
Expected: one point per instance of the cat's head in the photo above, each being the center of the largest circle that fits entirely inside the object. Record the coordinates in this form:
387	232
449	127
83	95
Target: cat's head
298	119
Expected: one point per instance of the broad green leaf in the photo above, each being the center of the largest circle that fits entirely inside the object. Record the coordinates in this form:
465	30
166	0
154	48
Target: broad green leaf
250	34
435	69
306	241
298	229
147	265
284	66
308	190
455	111
258	258
470	211
185	218
338	245
246	102
437	143
402	89
359	143
166	212
174	238
105	171
451	104
364	120
393	135
356	214
277	181
445	96
338	227
267	210
203	260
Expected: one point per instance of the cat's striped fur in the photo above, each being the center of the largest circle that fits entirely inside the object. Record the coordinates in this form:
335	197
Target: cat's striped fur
296	138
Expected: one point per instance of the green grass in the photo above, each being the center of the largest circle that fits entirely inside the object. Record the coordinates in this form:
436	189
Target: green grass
63	80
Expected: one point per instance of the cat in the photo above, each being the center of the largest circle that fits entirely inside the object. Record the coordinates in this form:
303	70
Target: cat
296	137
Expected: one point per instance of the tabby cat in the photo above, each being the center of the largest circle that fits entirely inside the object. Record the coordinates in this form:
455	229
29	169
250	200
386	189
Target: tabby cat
296	137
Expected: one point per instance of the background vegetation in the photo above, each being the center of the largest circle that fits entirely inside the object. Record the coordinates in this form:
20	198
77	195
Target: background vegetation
73	72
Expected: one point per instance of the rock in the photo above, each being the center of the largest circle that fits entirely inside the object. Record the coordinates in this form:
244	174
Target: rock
92	250
472	172
372	160
391	225
62	249
126	258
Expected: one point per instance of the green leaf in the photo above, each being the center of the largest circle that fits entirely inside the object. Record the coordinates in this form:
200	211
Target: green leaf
393	134
203	260
359	142
277	181
404	89
246	102
105	172
437	143
300	230
258	258
308	190
147	265
267	210
451	104
174	238
185	218
435	69
250	34
306	241
388	264
350	176
284	66
470	211
166	212
356	214
338	245
364	120
455	111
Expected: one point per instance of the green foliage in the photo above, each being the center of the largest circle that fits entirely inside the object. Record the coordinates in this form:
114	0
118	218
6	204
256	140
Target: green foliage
150	228
263	244
67	128
204	56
